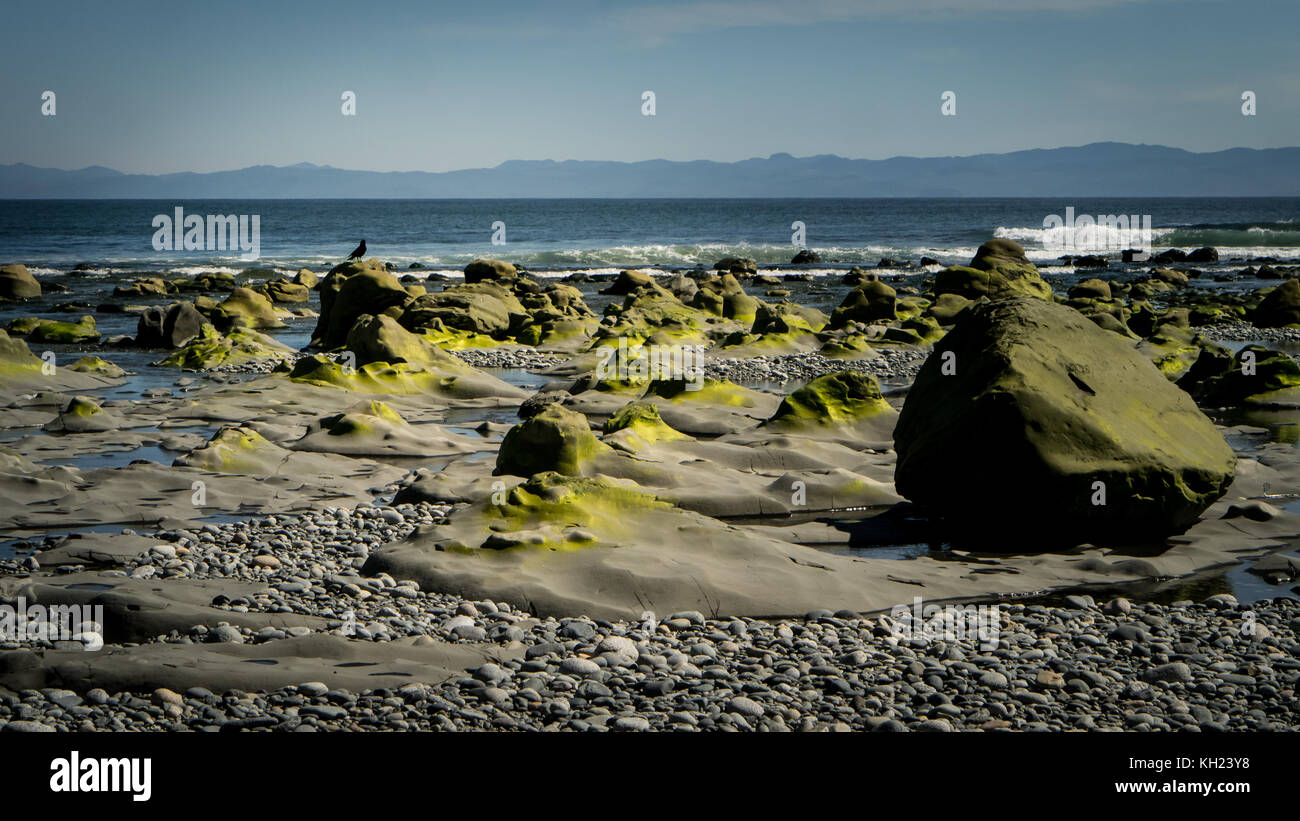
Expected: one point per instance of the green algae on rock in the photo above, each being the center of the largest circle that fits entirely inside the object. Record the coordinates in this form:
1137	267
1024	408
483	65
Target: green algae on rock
639	424
705	391
245	308
285	291
489	269
839	398
96	365
1031	423
1255	377
871	302
557	439
382	339
401	378
16	356
83	414
1280	307
999	269
67	333
350	290
211	349
561	501
947	307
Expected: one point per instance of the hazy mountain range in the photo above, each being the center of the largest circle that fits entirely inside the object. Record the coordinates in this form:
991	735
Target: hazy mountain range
1099	169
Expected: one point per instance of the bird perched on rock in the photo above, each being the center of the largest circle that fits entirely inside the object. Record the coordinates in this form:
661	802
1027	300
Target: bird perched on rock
360	252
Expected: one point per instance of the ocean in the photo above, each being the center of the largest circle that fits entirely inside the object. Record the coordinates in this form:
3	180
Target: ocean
561	236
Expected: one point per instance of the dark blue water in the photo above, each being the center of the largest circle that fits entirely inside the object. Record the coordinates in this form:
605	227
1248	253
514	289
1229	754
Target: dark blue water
562	235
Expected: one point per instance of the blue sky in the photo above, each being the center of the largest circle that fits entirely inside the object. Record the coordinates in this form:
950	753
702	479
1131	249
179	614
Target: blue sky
160	87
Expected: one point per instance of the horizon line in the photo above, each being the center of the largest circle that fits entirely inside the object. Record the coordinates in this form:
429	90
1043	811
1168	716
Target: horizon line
780	154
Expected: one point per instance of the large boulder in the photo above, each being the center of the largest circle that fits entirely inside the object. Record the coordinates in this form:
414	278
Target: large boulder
245	308
15	355
1029	424
284	291
1255	377
556	439
999	268
482	308
381	339
947	307
629	281
1280	307
1091	289
169	327
872	301
210	349
489	269
350	290
69	333
736	265
840	401
17	283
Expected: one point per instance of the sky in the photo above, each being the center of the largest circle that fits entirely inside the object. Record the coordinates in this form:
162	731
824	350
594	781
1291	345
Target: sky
160	87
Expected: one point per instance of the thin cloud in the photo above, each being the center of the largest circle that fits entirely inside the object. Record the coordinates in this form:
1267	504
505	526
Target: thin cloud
692	17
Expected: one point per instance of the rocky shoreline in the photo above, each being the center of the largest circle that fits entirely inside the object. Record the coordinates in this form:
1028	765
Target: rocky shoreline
384	530
1118	667
899	364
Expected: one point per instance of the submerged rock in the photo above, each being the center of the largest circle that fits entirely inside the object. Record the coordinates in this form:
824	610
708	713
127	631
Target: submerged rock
1029	423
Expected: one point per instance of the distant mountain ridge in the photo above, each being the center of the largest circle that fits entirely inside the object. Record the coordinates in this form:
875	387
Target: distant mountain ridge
1106	169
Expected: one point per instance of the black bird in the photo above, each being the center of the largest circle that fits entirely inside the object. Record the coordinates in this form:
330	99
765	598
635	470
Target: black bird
360	252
